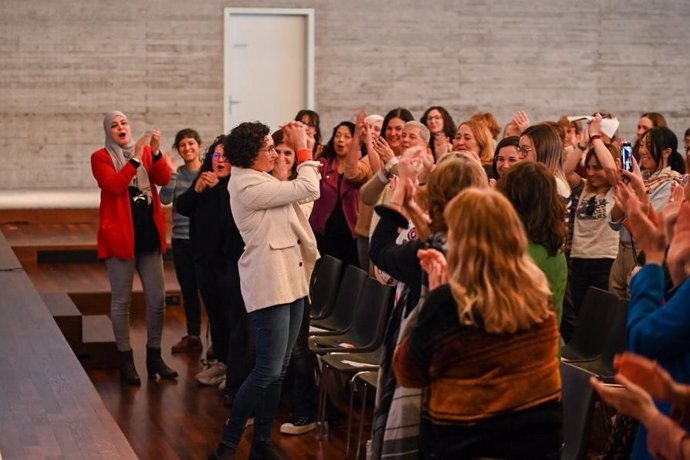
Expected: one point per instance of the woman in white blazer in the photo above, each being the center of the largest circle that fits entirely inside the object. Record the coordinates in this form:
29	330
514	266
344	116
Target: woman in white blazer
279	256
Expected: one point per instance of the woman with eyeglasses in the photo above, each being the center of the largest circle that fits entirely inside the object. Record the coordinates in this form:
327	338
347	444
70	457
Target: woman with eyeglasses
543	144
216	246
594	244
275	268
442	129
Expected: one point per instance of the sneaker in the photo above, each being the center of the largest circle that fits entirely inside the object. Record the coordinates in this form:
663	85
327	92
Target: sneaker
300	425
213	375
188	344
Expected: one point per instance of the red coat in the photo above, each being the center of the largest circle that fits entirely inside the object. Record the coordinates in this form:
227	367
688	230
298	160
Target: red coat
115	226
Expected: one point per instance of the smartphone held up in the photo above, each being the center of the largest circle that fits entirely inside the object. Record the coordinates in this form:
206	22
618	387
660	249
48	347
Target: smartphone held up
627	156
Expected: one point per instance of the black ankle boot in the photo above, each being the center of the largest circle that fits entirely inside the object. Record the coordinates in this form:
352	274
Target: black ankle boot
223	452
264	450
128	373
155	365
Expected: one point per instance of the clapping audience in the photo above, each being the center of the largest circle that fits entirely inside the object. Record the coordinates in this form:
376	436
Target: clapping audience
472	343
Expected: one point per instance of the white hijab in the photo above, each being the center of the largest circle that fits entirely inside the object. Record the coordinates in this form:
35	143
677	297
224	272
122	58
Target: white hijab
121	155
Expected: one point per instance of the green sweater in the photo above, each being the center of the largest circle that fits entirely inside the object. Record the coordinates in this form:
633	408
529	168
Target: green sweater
556	270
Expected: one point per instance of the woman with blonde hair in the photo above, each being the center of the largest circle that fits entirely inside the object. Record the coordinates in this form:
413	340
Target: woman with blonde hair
485	345
474	136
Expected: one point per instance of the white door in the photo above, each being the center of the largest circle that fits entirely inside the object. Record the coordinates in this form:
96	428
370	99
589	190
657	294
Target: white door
269	65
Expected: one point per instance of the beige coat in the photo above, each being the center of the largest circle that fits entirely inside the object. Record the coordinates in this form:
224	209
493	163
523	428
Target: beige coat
280	247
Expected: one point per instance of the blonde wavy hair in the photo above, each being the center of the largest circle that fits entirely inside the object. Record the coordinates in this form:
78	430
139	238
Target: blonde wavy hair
494	281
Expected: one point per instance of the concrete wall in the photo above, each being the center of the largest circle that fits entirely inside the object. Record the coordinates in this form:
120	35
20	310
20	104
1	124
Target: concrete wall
64	63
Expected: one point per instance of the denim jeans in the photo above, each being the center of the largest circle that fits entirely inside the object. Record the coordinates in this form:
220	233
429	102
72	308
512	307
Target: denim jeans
275	329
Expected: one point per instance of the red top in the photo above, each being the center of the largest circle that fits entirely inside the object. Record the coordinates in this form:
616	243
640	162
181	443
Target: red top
115	226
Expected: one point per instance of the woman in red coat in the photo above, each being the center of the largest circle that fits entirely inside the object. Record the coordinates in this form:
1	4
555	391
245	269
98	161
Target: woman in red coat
131	235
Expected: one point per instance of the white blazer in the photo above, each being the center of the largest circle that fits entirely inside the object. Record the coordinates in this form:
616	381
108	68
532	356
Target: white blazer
280	247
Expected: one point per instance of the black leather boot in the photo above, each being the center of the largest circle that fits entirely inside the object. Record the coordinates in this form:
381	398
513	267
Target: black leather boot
128	373
223	452
155	365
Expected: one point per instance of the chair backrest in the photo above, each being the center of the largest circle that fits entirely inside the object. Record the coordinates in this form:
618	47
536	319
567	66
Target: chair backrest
578	407
593	325
324	286
372	312
343	313
616	341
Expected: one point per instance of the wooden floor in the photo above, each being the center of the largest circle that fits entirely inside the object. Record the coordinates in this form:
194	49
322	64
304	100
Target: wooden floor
160	419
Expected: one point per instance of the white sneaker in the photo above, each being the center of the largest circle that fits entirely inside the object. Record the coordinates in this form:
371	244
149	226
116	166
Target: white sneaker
212	375
298	426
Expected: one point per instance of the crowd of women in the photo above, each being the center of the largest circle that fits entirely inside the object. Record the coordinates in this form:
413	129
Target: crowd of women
491	235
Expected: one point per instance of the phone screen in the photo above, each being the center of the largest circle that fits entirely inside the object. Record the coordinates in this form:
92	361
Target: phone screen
626	156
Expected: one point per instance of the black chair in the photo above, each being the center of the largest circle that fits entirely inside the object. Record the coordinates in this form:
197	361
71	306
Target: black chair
615	342
324	286
370	317
340	319
578	408
361	381
592	327
340	363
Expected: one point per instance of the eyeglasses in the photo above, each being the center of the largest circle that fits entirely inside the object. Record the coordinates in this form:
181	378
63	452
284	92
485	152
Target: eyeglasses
523	150
218	155
270	150
434	117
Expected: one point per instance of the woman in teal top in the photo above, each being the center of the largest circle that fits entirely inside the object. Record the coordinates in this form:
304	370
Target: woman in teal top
532	190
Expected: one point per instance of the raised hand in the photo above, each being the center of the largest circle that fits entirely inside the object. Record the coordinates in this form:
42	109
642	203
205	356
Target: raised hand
155	141
521	120
295	135
383	149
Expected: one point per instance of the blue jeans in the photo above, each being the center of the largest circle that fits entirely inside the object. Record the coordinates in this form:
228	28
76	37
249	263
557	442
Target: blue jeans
275	329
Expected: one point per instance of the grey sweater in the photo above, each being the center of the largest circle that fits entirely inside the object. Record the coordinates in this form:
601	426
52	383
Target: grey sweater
180	181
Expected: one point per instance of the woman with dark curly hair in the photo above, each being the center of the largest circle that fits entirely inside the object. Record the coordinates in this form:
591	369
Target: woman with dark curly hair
531	188
275	268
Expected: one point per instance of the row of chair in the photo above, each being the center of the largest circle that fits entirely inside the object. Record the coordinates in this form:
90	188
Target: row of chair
348	318
349	312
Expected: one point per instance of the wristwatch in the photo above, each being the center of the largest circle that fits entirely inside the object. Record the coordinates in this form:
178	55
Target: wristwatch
389	165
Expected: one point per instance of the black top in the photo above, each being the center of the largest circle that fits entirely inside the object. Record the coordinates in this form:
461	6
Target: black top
398	260
213	234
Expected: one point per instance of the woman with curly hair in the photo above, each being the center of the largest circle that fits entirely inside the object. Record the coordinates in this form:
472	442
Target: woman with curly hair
485	344
531	188
274	269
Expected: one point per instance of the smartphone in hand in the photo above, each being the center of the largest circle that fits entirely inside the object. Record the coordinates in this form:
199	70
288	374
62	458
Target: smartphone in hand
626	156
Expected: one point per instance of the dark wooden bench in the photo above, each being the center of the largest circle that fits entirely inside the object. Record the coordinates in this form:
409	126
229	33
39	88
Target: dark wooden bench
48	405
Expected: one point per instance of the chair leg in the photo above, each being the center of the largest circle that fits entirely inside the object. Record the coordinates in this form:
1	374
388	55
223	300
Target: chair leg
321	424
353	386
365	390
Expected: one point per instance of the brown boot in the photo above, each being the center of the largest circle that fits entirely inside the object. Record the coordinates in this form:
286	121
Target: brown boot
188	344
